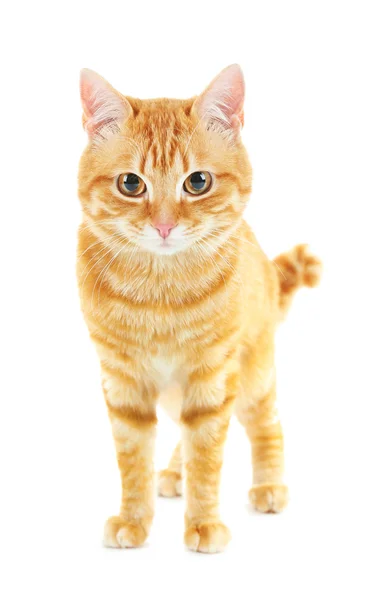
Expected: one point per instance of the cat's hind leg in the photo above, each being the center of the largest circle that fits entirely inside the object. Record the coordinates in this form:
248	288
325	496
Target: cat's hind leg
170	479
257	412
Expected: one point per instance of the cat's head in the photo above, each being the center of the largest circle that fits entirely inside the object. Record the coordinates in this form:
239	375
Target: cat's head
164	175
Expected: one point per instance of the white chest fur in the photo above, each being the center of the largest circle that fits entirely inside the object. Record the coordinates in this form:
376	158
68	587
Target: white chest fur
167	377
163	372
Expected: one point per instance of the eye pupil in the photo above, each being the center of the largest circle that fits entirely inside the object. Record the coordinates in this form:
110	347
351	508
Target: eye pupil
198	183
198	180
131	182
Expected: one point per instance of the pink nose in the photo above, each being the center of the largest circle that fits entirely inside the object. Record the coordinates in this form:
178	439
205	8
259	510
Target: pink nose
164	229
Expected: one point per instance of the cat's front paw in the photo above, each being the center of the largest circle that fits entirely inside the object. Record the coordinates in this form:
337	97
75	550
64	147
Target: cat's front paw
207	537
269	497
119	533
169	484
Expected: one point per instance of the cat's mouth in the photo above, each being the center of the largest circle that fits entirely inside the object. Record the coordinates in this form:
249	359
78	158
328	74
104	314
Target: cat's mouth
176	241
168	246
163	246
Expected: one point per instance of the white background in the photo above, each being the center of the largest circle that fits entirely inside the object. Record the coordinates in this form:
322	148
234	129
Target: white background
318	127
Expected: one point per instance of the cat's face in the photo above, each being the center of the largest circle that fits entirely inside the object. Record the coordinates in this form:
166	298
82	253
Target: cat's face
164	176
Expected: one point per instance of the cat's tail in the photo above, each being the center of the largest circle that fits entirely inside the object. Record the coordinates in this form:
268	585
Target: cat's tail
296	268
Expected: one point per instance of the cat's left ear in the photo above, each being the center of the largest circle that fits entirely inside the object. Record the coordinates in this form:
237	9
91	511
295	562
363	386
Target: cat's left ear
221	105
104	109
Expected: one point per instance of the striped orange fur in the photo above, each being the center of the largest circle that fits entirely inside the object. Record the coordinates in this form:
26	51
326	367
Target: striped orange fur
179	299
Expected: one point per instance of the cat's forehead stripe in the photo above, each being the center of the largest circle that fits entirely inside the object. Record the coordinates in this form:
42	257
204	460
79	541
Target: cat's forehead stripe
164	147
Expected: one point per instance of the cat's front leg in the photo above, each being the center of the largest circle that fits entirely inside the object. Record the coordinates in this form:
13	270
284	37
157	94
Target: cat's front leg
133	418
205	418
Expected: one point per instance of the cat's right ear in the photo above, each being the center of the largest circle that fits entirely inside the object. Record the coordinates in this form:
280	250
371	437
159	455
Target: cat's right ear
104	109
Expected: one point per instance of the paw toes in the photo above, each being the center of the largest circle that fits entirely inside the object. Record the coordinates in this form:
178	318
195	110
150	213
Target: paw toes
207	537
269	497
119	533
169	484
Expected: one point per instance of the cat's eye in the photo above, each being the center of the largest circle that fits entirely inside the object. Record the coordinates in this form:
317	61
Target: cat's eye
131	184
198	183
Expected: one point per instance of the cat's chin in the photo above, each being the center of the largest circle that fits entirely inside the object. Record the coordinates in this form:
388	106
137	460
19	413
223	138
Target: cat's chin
167	250
164	248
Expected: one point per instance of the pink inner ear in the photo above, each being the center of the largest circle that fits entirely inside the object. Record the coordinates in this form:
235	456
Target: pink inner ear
86	95
102	105
87	104
223	100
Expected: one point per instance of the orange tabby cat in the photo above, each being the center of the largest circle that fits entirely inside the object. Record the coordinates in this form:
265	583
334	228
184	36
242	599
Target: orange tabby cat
179	299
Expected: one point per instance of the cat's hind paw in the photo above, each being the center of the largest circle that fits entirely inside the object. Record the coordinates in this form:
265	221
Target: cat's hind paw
207	537
169	483
269	497
119	533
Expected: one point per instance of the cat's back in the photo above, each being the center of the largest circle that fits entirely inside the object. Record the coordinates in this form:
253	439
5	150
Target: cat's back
260	285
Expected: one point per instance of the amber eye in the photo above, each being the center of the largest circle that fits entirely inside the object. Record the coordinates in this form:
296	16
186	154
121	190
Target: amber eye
198	183
130	184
